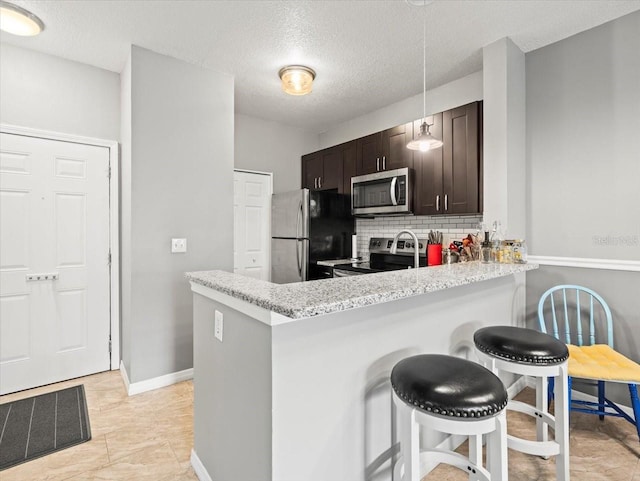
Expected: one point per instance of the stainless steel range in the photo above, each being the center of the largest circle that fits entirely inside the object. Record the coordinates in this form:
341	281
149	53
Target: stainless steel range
381	259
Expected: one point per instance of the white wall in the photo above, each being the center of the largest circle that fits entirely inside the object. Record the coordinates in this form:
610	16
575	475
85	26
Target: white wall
268	146
583	168
50	93
180	163
583	144
504	116
459	92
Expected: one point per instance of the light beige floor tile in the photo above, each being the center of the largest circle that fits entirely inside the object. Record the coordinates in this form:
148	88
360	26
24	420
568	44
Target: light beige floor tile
150	436
152	463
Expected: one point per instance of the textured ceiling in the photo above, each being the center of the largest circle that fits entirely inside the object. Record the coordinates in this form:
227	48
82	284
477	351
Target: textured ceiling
367	54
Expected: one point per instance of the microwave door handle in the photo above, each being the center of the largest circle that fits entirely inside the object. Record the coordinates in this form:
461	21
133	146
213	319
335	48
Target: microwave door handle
392	191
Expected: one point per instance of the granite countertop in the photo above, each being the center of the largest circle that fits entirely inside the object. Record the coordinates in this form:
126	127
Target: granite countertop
307	299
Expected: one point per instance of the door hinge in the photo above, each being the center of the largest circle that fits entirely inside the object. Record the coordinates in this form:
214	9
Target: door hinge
109	172
109	345
109	258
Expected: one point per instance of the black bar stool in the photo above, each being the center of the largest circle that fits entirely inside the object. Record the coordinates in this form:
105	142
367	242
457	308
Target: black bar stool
454	396
532	353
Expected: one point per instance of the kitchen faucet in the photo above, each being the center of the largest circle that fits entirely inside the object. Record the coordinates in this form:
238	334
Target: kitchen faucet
416	243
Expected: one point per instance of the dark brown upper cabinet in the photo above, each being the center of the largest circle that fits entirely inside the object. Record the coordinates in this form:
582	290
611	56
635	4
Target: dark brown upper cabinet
447	180
325	170
428	181
386	150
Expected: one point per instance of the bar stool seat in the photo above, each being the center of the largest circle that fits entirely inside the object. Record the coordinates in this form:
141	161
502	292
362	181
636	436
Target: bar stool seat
450	395
533	353
517	344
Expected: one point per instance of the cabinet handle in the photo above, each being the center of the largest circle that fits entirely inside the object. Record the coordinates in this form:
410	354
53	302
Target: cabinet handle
319	182
438	203
446	202
384	163
315	182
378	164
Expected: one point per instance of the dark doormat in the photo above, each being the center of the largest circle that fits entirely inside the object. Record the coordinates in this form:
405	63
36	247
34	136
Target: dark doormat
41	425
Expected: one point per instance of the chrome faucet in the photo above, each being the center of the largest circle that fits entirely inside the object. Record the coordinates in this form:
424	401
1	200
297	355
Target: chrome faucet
416	243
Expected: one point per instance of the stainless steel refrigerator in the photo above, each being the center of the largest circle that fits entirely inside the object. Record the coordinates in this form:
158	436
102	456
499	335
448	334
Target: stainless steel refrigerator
308	226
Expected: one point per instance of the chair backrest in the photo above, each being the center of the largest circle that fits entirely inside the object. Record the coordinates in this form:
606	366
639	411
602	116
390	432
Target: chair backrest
571	310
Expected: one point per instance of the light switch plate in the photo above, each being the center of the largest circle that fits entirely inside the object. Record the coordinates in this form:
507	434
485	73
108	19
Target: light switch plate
178	245
218	325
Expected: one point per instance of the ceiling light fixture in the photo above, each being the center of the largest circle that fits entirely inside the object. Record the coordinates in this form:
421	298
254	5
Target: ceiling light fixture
297	79
18	21
424	141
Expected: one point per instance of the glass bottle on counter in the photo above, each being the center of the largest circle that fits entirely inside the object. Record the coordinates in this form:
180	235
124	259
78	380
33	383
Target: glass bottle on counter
485	251
519	248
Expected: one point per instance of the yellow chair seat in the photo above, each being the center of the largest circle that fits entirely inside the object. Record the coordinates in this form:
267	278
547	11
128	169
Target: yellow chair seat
602	362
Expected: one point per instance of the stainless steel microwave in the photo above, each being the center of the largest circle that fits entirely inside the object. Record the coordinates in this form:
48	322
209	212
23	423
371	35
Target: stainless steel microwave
382	193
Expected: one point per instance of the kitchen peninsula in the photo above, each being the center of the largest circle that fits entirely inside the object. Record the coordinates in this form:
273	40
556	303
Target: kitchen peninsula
298	386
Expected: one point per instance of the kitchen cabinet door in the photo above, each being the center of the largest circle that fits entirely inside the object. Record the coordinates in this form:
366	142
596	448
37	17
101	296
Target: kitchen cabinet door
428	183
331	177
349	159
311	170
395	154
368	154
323	170
461	160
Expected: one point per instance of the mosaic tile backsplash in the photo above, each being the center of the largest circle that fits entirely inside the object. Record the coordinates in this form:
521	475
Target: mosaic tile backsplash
452	226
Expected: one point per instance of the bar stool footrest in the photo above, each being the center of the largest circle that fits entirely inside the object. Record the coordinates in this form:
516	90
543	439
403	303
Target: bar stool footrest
536	448
532	411
431	458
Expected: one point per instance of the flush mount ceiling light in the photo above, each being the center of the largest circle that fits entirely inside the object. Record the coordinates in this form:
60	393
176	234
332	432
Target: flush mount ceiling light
297	79
18	21
424	141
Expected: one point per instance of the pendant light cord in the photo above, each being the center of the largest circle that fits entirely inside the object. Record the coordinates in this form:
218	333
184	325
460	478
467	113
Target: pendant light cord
424	64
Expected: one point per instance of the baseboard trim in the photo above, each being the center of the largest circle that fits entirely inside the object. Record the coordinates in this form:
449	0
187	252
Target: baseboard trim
198	467
153	383
587	263
581	396
125	376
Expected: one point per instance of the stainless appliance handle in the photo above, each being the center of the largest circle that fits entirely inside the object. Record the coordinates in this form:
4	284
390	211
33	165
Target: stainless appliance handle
298	222
392	191
438	203
378	164
384	162
446	202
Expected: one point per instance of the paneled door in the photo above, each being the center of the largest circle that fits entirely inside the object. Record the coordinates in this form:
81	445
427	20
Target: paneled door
252	224
54	261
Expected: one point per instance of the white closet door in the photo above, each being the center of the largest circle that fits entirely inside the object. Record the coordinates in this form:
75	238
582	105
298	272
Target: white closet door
252	224
54	223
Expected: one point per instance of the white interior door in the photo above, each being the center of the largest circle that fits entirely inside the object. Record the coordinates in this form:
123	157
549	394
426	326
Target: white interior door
252	224
54	265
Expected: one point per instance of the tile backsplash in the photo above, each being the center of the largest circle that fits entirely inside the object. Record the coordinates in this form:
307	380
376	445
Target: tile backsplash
452	226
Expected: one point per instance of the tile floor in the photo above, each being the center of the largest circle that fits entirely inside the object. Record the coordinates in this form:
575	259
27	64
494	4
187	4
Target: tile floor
149	437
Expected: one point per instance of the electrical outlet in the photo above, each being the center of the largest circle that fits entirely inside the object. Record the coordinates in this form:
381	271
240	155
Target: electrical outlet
178	245
218	325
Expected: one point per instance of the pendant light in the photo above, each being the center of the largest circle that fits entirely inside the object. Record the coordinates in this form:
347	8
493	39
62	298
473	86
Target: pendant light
424	141
18	21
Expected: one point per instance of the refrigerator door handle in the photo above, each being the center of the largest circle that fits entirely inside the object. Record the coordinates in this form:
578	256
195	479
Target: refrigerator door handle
298	222
392	191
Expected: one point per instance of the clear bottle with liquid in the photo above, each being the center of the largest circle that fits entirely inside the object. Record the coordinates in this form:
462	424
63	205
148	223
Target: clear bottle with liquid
486	250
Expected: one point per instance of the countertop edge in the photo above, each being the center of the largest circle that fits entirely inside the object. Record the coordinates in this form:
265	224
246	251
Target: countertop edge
272	297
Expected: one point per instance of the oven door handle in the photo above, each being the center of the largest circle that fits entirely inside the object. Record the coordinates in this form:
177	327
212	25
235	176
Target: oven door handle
392	191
